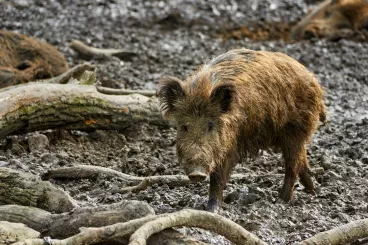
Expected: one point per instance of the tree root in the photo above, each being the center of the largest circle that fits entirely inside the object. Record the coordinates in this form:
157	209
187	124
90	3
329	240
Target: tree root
139	183
91	172
217	223
113	91
26	189
67	224
89	52
341	235
37	106
193	218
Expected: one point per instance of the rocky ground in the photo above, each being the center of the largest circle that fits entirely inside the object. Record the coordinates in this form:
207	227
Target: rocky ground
174	37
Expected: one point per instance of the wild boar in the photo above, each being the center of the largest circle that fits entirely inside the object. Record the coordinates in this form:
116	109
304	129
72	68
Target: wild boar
237	104
332	19
25	59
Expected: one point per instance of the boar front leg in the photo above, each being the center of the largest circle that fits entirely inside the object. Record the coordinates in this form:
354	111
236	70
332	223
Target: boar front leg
218	180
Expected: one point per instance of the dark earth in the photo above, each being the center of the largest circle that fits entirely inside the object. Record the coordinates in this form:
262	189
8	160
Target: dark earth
173	37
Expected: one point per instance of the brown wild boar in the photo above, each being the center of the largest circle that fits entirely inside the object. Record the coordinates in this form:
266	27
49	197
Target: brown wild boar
237	104
24	59
332	18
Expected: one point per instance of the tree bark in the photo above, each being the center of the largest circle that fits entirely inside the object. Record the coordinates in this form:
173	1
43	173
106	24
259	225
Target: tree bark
37	106
26	189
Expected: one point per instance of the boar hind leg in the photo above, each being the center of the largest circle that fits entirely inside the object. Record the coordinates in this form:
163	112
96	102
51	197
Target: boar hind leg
295	164
218	180
305	173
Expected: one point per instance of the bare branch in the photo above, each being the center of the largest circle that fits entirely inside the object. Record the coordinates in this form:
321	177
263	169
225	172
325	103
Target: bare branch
91	52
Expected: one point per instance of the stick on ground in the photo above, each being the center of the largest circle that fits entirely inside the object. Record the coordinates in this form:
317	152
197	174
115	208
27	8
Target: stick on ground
91	52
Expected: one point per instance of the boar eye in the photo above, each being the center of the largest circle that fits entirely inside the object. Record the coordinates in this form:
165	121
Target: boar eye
184	128
210	126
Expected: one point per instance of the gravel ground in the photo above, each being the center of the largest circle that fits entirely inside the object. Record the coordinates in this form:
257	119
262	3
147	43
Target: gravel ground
174	37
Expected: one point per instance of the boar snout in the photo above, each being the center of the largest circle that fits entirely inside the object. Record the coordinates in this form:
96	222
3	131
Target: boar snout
197	176
196	173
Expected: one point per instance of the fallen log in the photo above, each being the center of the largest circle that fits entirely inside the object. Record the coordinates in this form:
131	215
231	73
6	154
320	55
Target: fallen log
89	52
219	224
36	106
27	189
341	235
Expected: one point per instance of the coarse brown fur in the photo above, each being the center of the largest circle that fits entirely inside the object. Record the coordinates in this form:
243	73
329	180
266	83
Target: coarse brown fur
24	59
332	18
239	103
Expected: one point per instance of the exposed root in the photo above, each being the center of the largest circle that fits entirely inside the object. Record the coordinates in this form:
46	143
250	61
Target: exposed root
341	235
140	183
90	52
193	218
105	90
91	172
202	219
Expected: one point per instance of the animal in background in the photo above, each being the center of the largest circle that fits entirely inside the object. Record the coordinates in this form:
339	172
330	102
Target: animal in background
333	19
237	104
24	59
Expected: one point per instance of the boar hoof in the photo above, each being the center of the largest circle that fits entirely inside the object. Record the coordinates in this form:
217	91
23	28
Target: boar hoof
212	206
286	194
196	177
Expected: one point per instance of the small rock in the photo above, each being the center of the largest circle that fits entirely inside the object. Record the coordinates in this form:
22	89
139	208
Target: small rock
37	142
3	163
49	158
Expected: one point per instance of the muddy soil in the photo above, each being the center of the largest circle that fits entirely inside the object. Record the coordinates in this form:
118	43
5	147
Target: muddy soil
174	37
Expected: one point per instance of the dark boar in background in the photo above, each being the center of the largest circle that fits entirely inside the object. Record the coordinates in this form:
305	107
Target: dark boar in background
237	104
332	18
24	59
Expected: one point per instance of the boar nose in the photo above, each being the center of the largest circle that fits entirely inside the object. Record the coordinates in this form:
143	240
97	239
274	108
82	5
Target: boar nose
197	176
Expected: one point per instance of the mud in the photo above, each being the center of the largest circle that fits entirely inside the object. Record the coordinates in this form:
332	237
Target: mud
174	37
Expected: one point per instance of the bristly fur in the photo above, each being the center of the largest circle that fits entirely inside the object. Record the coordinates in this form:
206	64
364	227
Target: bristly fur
329	17
25	59
253	100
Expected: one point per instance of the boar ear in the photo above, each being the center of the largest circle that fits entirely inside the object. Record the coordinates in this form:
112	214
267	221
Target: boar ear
224	95
169	92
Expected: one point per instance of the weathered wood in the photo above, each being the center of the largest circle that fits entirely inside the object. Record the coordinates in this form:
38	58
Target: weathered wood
38	106
114	91
14	232
194	218
89	52
341	235
68	224
206	220
27	189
